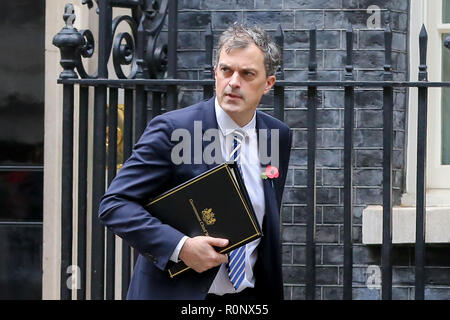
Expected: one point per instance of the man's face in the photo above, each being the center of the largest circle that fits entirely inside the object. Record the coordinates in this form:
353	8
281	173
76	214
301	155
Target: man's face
241	81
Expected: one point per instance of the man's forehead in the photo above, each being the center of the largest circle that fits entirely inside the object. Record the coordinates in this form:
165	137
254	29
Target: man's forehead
251	56
226	63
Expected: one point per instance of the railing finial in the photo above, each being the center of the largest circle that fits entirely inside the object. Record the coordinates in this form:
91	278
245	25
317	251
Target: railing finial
208	70
349	62
279	39
423	40
69	41
69	15
388	54
312	66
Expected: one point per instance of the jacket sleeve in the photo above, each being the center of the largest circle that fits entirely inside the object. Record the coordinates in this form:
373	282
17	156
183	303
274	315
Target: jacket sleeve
144	175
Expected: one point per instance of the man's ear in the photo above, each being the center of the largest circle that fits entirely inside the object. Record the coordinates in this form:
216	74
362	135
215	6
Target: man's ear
269	83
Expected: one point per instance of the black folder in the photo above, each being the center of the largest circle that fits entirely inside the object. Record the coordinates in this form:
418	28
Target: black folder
215	203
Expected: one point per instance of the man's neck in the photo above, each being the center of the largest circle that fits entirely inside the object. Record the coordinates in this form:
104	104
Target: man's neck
240	121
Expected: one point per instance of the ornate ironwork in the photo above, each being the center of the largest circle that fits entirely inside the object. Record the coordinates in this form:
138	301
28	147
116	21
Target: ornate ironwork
152	22
138	48
69	41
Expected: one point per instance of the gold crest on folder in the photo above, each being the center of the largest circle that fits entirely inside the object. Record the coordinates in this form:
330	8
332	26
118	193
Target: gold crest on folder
208	216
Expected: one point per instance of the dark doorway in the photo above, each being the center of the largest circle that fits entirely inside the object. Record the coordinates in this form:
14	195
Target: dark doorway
22	56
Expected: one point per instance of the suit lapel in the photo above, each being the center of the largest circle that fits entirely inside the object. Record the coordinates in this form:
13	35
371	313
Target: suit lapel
210	122
269	190
268	257
261	126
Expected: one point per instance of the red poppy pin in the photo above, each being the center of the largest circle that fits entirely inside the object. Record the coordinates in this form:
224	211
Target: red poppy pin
271	173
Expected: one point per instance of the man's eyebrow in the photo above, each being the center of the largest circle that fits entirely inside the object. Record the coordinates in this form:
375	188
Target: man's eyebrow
250	69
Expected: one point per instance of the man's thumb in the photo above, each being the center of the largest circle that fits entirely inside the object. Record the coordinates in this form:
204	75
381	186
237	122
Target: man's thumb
217	242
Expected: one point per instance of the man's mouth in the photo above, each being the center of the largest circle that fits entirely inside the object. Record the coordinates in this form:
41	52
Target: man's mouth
233	96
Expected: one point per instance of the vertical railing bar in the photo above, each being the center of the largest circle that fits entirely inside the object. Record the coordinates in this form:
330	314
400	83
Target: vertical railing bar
99	155
82	189
156	108
349	103
112	168
279	90
140	118
420	207
98	189
128	124
112	134
172	97
104	33
142	68
67	190
386	250
208	70
310	293
140	122
421	167
127	147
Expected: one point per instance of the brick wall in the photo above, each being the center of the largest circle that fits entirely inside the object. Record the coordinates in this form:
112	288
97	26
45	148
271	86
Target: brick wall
331	19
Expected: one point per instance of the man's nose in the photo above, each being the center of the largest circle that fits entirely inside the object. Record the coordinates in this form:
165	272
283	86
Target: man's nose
235	81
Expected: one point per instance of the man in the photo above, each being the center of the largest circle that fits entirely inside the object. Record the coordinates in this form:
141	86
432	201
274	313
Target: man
244	72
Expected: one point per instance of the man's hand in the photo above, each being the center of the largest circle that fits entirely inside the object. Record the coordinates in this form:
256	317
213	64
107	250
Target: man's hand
199	254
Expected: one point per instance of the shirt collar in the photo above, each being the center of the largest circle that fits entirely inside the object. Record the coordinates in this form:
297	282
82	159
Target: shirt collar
227	125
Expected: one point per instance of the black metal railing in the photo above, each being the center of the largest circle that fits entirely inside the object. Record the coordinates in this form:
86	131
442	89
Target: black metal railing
143	85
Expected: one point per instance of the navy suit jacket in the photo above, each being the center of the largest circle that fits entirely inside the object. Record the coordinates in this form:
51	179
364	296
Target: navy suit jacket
149	172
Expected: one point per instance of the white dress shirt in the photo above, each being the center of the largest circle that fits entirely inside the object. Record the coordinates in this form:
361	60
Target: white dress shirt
251	171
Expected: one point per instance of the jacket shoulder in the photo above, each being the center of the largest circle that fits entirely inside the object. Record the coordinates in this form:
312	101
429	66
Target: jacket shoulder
273	122
186	114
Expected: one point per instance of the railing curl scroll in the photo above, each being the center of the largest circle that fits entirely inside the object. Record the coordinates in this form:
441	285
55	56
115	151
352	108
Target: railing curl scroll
138	48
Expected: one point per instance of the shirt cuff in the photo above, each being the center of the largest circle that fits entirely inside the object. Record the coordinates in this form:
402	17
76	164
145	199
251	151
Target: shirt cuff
176	252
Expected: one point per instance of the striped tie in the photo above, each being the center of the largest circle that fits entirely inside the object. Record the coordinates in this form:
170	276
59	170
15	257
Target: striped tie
238	137
236	263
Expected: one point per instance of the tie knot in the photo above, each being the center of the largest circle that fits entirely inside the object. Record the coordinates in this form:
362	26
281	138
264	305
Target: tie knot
239	135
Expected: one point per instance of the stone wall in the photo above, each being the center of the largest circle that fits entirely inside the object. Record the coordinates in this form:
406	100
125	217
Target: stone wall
331	19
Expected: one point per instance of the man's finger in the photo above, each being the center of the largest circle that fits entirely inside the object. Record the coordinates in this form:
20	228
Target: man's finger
223	258
217	242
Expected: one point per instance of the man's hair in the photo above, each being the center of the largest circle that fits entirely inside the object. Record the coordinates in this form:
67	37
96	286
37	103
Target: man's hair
241	36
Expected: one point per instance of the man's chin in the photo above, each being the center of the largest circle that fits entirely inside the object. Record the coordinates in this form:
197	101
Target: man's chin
231	108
